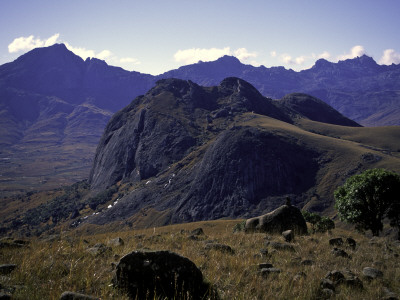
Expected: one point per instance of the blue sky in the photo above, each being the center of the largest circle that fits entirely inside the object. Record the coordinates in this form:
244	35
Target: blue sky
155	36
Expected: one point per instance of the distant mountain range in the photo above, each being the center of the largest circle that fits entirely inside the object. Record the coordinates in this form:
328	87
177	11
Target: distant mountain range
54	105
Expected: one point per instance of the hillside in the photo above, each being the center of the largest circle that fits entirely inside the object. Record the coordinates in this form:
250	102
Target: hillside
195	153
52	100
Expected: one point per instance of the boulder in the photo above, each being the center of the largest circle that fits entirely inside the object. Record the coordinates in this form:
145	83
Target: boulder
76	296
267	271
7	269
372	273
197	231
336	242
280	246
145	275
340	253
351	243
99	249
116	242
219	247
288	235
286	217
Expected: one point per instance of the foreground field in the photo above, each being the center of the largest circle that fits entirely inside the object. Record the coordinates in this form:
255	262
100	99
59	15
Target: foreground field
48	267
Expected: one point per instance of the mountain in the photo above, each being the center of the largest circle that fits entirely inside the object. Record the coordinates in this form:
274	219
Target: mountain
183	152
52	100
359	88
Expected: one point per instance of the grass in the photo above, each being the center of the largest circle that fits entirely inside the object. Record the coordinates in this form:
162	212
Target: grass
46	269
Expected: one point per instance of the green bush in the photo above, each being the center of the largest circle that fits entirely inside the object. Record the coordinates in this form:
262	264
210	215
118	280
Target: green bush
318	223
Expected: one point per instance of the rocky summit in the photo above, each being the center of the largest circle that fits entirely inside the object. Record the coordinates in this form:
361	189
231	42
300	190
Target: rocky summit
183	152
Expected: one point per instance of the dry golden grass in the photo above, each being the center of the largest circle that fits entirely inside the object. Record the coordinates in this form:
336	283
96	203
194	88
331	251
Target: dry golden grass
46	269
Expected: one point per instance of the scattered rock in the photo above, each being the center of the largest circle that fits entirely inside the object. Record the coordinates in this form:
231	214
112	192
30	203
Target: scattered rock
327	293
197	231
327	284
267	271
281	219
264	252
389	295
116	242
371	273
219	247
354	282
307	262
351	243
193	237
76	296
5	296
99	249
335	276
143	274
7	269
280	246
265	266
336	242
340	253
288	235
299	276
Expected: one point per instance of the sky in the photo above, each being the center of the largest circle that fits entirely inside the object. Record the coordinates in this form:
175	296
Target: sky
154	36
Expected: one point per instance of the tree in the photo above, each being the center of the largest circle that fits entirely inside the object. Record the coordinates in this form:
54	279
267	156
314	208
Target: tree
366	199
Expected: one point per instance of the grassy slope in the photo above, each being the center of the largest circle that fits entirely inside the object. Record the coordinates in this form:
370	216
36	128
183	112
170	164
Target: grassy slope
343	147
64	264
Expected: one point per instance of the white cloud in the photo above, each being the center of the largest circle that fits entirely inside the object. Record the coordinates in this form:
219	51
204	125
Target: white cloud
104	54
82	52
29	43
193	55
273	53
129	60
324	55
390	57
244	54
354	52
289	60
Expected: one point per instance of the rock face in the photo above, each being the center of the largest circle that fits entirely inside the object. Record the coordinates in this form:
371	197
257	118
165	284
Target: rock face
283	218
165	274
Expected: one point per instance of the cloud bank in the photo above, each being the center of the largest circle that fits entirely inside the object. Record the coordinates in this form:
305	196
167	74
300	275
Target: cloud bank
354	52
29	43
390	56
193	55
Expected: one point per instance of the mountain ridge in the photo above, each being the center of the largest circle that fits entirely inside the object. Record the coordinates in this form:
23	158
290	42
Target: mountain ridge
50	97
239	155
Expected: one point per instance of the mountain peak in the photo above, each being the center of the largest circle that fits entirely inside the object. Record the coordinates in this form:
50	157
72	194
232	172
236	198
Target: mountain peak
229	59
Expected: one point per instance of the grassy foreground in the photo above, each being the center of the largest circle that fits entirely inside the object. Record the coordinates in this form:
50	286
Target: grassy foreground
45	269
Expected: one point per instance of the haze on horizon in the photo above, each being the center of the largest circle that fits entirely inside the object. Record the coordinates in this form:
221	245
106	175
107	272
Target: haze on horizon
156	36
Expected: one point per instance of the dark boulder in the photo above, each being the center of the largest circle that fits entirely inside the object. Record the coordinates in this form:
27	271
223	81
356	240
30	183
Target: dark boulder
76	296
288	235
142	275
280	246
284	218
7	269
219	247
372	273
197	231
336	242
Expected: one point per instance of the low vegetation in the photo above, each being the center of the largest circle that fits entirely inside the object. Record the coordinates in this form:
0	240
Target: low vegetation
65	264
